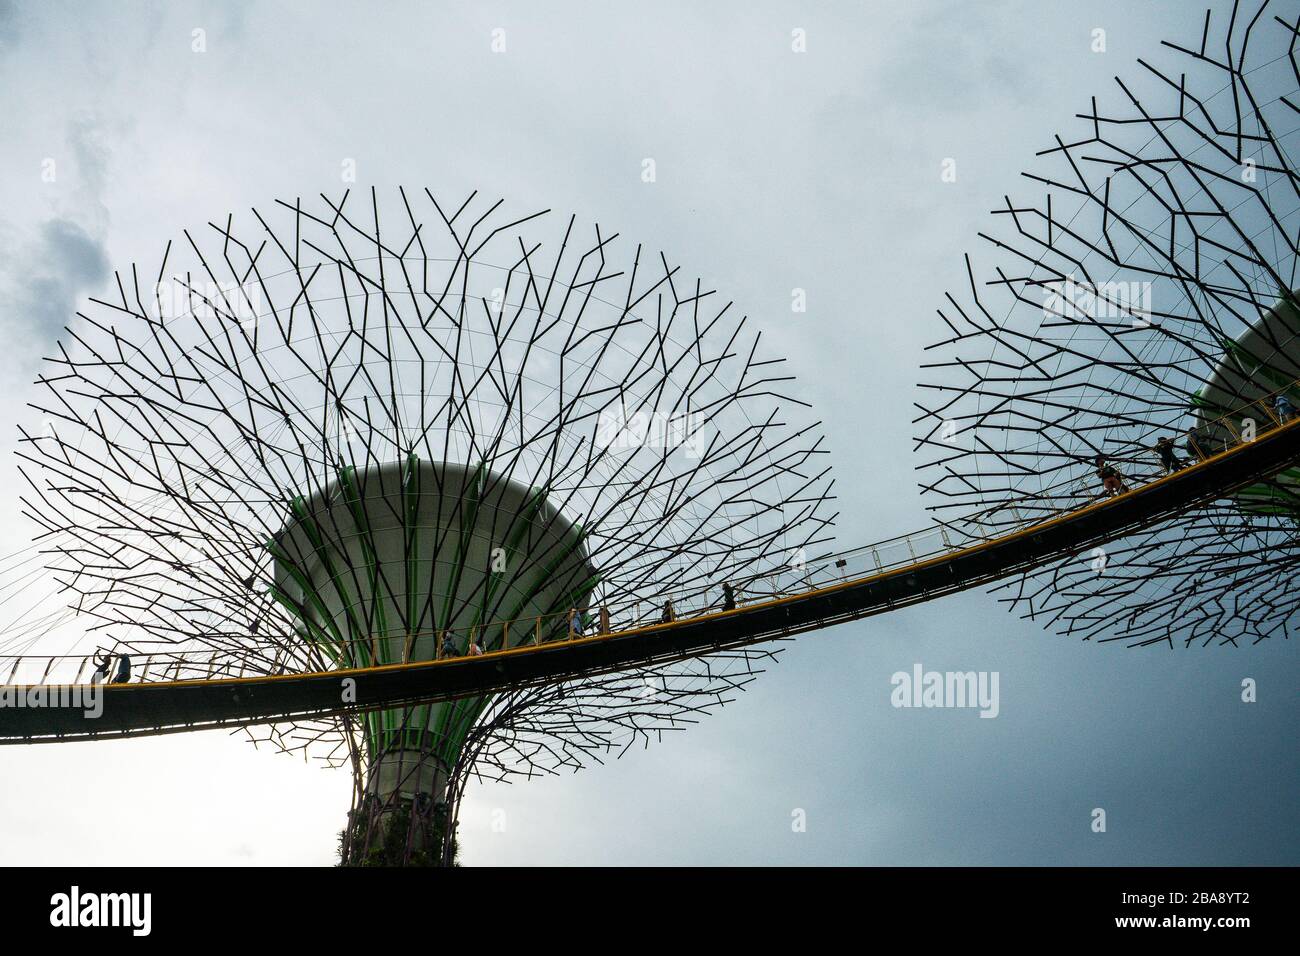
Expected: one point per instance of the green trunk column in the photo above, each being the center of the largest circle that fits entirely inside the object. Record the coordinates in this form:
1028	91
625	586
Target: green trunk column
381	561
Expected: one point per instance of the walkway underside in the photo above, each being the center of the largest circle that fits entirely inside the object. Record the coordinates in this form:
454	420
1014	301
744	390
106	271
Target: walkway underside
162	707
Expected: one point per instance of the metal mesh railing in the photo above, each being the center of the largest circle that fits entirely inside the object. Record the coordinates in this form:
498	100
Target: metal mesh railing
1220	435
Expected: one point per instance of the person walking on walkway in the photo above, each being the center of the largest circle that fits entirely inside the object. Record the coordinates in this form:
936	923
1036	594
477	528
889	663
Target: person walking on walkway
1168	460
1111	482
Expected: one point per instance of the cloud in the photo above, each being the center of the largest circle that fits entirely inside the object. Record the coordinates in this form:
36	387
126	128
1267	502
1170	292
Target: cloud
47	272
9	32
818	171
50	275
91	157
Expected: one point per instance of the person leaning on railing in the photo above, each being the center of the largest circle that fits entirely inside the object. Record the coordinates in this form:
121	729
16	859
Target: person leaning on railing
102	666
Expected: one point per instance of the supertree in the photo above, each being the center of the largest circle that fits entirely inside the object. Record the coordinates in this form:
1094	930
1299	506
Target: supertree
1141	309
344	434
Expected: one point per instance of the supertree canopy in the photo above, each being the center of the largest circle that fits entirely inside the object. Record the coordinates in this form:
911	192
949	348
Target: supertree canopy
1146	294
347	433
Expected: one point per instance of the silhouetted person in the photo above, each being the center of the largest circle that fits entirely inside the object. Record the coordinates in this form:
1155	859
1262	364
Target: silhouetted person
102	665
728	597
668	616
123	674
1168	460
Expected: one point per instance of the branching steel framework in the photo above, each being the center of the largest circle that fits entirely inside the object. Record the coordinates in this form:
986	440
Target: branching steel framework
266	363
1149	288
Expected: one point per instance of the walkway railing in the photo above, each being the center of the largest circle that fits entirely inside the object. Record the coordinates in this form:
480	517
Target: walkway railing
251	657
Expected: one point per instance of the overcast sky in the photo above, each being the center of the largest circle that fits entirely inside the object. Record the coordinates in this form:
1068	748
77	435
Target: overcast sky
776	170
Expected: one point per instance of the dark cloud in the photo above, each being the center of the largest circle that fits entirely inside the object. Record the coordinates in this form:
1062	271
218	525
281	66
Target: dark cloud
51	275
46	273
9	32
80	258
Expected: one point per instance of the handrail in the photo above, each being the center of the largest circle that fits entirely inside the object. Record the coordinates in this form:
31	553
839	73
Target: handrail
66	713
900	551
